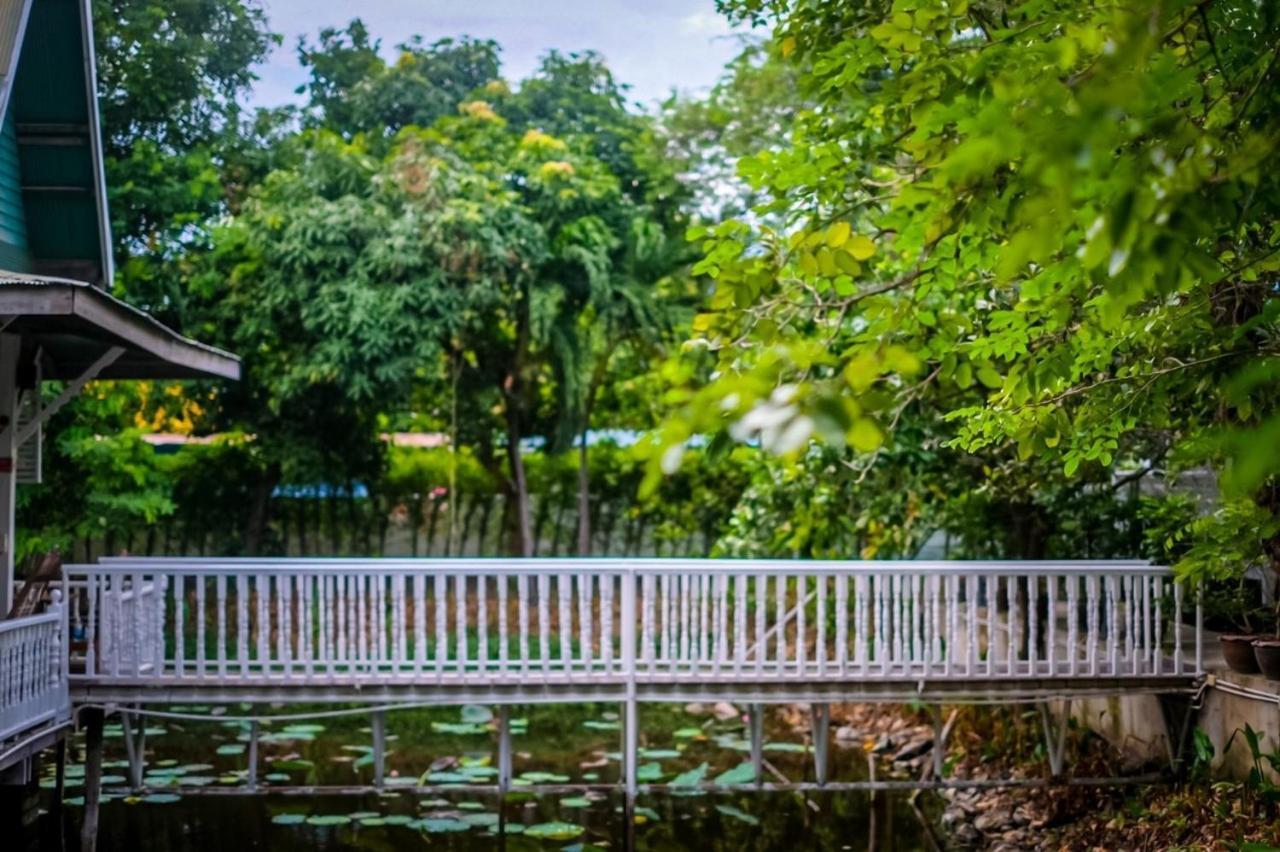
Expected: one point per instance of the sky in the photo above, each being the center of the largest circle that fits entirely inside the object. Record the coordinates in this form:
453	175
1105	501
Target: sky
653	45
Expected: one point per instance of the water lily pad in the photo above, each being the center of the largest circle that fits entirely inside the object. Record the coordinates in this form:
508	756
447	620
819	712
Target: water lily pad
478	771
463	728
372	821
229	779
434	803
537	777
596	725
591	776
476	714
329	819
162	798
692	778
230	749
303	728
74	801
646	814
196	780
108	780
399	781
276	777
289	819
441	825
554	831
470	806
445	778
166	764
364	814
743	773
741	816
196	767
688	733
649	772
481	820
658	753
789	747
397	819
575	802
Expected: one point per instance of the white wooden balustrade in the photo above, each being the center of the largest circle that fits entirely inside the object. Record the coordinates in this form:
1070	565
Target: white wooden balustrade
33	672
548	628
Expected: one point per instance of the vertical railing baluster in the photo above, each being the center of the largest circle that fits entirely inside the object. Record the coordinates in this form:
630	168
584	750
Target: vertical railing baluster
1177	627
482	623
586	594
802	633
502	581
780	623
820	617
179	643
461	618
842	623
522	617
739	623
1073	616
1051	627
607	581
1091	588
544	624
441	603
564	589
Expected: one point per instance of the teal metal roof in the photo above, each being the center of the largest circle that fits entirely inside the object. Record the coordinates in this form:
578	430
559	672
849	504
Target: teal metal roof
53	206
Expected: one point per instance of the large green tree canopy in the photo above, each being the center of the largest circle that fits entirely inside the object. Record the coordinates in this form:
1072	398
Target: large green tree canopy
1054	223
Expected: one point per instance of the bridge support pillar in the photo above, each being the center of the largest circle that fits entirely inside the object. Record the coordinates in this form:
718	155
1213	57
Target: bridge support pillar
379	726
631	746
92	719
821	721
253	754
755	721
134	726
1055	736
504	748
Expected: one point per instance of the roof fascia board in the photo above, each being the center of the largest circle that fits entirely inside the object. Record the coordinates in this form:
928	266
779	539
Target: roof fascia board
95	143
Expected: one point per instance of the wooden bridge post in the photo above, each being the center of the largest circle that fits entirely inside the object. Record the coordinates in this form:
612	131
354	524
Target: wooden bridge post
821	721
939	742
379	726
755	721
1055	741
92	778
504	748
253	754
134	726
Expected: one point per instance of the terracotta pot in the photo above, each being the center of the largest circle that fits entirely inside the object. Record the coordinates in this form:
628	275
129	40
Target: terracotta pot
1237	649
1267	654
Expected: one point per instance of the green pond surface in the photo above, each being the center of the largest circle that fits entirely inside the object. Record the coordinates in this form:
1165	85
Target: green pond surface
195	798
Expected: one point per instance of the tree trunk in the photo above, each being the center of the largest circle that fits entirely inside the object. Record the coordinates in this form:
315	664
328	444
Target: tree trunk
260	510
584	498
524	527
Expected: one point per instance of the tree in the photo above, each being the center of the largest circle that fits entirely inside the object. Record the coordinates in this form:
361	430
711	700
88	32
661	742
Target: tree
352	90
1055	224
170	78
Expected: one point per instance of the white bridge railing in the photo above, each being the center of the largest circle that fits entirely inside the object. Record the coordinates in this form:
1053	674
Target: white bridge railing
626	621
33	672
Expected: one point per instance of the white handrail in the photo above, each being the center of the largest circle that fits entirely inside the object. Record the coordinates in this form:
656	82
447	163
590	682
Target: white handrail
626	621
33	671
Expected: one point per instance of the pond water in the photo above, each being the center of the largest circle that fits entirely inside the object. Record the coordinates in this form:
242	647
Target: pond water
196	800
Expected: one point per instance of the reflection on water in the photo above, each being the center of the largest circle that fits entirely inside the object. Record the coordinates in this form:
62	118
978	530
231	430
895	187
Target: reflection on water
196	775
